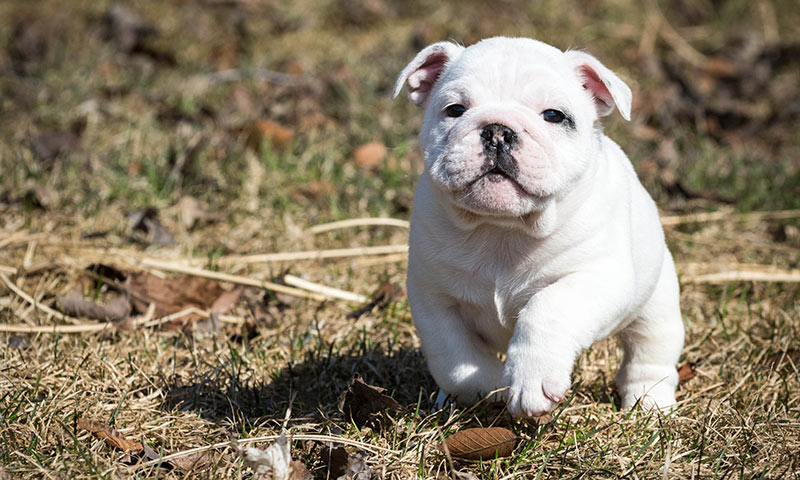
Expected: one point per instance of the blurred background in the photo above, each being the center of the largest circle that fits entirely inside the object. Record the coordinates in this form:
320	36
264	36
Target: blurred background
223	118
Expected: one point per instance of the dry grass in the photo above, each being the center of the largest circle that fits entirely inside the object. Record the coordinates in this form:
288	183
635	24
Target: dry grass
152	137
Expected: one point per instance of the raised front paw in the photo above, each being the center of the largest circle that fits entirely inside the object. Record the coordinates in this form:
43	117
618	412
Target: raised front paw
535	386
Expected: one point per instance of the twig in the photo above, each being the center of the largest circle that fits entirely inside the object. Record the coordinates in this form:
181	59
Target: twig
359	222
185	313
267	438
313	255
145	320
21	237
226	277
368	262
788	276
14	288
672	220
8	270
324	289
79	328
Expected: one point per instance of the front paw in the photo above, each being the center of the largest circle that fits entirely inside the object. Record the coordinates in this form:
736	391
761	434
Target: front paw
535	386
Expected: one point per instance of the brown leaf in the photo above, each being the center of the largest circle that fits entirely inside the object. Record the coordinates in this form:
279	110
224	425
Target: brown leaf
686	372
171	295
50	144
76	305
257	305
226	301
480	443
362	403
335	459
356	469
380	299
370	155
298	471
112	437
280	137
193	462
147	229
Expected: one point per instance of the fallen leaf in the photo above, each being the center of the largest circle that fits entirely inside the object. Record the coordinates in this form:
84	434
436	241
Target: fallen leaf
226	301
370	155
356	469
49	144
257	304
298	471
147	229
193	462
480	443
280	137
74	304
16	342
274	463
686	372
111	436
171	295
362	403
149	453
380	299
335	459
316	190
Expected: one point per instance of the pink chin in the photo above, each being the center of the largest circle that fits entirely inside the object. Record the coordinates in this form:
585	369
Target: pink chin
501	197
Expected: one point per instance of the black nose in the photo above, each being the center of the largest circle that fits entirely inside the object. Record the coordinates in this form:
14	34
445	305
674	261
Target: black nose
498	138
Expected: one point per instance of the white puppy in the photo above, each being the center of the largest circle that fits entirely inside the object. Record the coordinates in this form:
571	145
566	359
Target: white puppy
531	235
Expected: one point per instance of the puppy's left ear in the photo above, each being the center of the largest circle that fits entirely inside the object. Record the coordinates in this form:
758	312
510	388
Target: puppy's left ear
605	87
422	73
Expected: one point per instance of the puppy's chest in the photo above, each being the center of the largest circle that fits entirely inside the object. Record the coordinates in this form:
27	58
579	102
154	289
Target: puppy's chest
491	295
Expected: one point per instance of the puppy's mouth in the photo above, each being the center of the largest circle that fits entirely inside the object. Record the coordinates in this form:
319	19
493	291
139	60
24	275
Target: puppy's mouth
494	174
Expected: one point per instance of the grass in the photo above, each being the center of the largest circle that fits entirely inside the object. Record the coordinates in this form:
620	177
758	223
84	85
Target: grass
739	418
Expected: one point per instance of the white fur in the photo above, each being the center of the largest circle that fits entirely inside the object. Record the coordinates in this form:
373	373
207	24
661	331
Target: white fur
539	268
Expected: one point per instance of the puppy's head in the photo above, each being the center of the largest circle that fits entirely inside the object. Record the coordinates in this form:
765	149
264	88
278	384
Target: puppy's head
510	123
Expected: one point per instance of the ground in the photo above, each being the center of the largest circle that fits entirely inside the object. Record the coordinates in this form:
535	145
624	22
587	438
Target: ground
197	132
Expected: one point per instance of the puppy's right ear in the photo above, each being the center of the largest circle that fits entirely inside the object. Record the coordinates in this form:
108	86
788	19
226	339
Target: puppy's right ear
421	74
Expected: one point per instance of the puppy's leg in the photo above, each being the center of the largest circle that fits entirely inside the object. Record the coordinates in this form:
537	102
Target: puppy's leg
556	324
652	345
460	362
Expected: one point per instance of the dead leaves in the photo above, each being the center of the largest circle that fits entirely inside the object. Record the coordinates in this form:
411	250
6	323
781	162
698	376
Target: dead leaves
147	229
114	439
480	443
278	136
686	372
172	295
274	463
370	156
74	304
111	436
365	404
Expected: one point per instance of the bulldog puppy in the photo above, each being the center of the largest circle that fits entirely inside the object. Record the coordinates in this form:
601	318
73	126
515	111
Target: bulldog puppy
531	236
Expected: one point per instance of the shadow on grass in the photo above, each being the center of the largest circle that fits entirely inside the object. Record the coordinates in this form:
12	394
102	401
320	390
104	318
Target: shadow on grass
311	387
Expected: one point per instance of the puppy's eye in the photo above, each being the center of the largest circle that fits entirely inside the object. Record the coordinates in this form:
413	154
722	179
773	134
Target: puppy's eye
455	110
553	116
